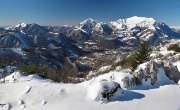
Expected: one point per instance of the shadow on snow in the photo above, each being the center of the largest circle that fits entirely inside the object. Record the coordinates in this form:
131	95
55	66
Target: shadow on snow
129	96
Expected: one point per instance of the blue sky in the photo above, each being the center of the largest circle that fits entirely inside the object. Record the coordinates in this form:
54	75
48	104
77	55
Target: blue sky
61	12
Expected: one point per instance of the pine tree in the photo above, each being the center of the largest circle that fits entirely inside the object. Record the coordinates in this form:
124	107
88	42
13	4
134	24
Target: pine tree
141	55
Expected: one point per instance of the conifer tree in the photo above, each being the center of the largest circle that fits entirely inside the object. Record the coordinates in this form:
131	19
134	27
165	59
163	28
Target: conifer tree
141	55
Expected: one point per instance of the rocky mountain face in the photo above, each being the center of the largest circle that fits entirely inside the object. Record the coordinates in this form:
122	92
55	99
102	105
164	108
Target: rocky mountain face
89	37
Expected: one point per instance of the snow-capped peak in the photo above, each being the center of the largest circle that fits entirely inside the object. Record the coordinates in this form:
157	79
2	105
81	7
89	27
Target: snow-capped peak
135	21
21	25
88	21
140	20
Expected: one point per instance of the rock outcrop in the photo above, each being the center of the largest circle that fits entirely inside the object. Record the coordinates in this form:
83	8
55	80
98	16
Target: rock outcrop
171	71
150	71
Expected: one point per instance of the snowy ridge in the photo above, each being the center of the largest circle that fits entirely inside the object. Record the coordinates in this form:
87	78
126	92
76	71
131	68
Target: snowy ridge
133	22
88	21
21	25
17	26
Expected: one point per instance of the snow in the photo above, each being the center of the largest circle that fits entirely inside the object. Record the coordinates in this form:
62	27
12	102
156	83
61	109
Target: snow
178	65
35	76
147	35
140	21
20	38
133	22
81	30
53	33
166	52
94	90
22	32
153	55
88	21
104	68
90	43
18	51
128	38
9	69
98	27
21	25
17	26
34	93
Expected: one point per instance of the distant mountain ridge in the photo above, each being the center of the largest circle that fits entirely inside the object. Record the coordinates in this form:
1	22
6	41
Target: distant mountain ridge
123	32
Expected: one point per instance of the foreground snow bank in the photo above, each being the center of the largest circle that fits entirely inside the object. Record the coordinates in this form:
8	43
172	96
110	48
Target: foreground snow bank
33	93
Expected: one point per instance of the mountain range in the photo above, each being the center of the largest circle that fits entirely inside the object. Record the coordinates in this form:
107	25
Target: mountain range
52	45
123	32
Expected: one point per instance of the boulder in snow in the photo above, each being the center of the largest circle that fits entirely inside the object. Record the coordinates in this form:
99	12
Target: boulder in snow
105	90
145	71
172	72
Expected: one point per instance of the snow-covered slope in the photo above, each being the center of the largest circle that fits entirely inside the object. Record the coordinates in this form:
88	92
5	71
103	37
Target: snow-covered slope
142	28
134	22
91	26
33	93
